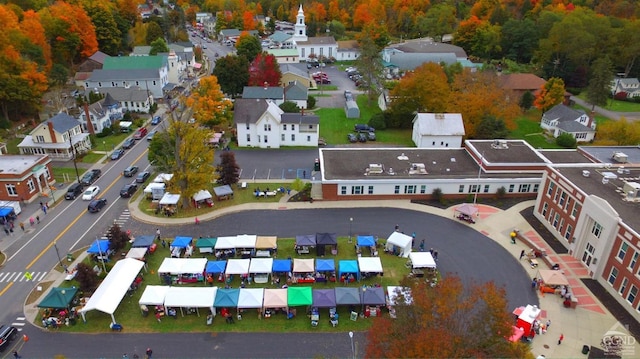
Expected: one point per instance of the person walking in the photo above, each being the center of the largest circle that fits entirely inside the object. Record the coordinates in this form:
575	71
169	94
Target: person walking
22	226
422	245
16	355
435	254
522	254
31	221
560	339
548	324
44	208
148	353
158	233
38	219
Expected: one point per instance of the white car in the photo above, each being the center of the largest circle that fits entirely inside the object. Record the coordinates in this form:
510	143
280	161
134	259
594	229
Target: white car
90	193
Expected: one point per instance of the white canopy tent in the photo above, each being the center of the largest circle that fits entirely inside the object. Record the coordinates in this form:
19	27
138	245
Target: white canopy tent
137	253
177	266
261	269
190	297
301	265
422	260
163	177
151	186
250	298
169	199
154	295
370	265
238	266
226	243
246	241
399	240
202	195
113	288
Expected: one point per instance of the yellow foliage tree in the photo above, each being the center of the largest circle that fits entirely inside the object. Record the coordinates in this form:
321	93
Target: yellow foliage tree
551	94
618	133
209	106
424	90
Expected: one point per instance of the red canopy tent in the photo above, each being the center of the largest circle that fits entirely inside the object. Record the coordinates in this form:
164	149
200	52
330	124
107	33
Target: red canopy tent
526	318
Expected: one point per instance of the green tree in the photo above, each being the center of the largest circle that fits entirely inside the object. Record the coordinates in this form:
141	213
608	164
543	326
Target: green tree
248	46
618	133
311	102
491	127
154	31
487	41
566	140
58	75
271	25
157	46
107	31
369	63
233	74
336	29
526	101
519	40
599	88
228	171
289	107
439	20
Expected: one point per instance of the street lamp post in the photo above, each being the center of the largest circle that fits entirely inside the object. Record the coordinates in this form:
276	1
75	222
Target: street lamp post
74	151
104	146
55	245
350	226
475	195
353	349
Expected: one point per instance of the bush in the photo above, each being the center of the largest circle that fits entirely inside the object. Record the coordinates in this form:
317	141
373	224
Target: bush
566	140
437	194
311	102
501	192
153	108
377	121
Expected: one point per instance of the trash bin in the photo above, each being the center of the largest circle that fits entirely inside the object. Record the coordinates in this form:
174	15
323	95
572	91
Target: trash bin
69	257
585	349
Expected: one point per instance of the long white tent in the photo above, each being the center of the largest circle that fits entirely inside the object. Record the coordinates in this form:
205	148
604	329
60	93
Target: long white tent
176	266
250	298
154	295
422	260
226	243
190	297
113	288
246	241
238	266
261	265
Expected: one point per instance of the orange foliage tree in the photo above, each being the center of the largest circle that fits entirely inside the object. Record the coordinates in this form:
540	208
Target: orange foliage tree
551	94
369	12
477	95
248	21
208	104
424	90
446	321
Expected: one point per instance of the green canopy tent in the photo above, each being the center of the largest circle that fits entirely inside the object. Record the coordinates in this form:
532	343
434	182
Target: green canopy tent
58	298
206	245
299	296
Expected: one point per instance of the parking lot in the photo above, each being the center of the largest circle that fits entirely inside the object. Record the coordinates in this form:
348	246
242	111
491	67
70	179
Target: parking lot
283	164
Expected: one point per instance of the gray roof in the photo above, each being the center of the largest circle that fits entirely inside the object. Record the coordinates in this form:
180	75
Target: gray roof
626	82
141	50
299	118
248	110
517	152
409	61
109	101
564	156
272	93
440	124
562	113
295	92
124	75
319	40
122	94
284	68
62	122
603	154
280	36
230	32
98	57
180	46
429	47
574	126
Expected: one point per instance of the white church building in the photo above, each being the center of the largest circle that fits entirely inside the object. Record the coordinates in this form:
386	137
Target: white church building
312	47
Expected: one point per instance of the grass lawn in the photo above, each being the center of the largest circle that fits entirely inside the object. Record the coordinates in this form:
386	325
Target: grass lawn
66	174
129	315
110	142
616	105
12	145
529	130
92	157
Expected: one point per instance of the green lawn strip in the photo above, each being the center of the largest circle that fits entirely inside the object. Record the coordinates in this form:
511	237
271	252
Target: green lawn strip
130	316
92	157
12	145
67	174
615	105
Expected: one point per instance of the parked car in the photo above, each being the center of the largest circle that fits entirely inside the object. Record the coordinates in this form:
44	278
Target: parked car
117	154
150	135
73	191
363	128
323	80
322	142
7	334
128	190
96	205
130	171
143	177
142	131
371	136
91	177
362	137
156	120
90	193
352	138
128	143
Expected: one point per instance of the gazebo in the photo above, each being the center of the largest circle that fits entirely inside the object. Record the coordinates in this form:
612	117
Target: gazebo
58	298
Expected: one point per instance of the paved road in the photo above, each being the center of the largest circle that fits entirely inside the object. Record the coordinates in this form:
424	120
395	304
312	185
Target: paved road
631	116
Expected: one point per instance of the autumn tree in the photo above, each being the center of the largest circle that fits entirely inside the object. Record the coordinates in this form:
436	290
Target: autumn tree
372	39
248	46
210	107
118	238
158	46
154	31
550	94
618	133
465	321
85	276
599	88
424	90
107	31
233	74
264	70
228	170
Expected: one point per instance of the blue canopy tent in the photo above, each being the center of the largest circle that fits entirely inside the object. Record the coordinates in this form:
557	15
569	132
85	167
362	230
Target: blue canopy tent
366	241
281	265
216	267
227	298
181	242
303	242
5	211
100	246
325	265
348	267
324	298
347	296
143	241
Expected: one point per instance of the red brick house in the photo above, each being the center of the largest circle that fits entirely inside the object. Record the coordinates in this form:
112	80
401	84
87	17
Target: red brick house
25	178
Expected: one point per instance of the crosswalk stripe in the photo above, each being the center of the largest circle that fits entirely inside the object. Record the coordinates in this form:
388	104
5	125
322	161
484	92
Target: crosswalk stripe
41	276
20	277
17	324
2	277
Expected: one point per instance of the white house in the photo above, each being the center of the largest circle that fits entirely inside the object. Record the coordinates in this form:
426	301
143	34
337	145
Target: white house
563	119
272	93
59	137
261	123
630	86
296	93
150	73
438	130
133	99
312	47
102	114
348	50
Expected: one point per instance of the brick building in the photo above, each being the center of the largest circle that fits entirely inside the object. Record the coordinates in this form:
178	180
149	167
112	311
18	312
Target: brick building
25	177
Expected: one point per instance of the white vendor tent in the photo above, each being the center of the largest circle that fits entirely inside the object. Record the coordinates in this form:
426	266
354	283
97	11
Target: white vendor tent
137	253
226	243
370	265
246	241
394	291
151	186
113	288
163	177
238	266
422	260
202	195
169	199
190	297
399	240
261	268
303	265
250	298
177	266
275	298
154	295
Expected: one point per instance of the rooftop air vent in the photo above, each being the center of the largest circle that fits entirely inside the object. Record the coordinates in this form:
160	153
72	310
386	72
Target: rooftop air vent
403	157
391	171
453	159
586	173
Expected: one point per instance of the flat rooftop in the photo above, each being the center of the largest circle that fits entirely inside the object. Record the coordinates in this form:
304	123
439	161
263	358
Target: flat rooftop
18	164
605	154
565	156
506	151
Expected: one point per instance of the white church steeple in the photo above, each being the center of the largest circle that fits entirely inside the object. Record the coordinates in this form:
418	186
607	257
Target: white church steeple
300	28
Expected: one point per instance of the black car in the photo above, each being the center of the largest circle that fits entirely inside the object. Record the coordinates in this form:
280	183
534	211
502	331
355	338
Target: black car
96	205
362	137
7	334
130	171
352	138
128	143
363	128
74	191
143	177
91	177
117	154
128	190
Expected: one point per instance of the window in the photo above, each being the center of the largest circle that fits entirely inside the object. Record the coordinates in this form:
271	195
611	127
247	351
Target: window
556	219
623	251
154	82
370	190
247	126
46	170
545	207
293	137
623	287
474	188
343	189
308	138
396	189
567	234
486	188
576	209
461	189
266	139
40	139
410	189
511	188
613	275
634	260
284	127
596	230
31	185
248	137
563	198
632	294
588	254
311	127
11	189
267	127
557	196
293	127
356	190
536	187
561	225
282	138
423	189
552	186
524	188
568	204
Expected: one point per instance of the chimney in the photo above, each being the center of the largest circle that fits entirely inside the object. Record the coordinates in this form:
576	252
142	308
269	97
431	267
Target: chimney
52	133
88	118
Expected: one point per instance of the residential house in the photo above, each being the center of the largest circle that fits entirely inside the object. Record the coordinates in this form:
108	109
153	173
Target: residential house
201	17
282	40
233	35
58	137
297	94
284	56
521	83
101	114
25	178
261	123
312	47
180	59
292	74
627	87
348	50
438	130
563	119
132	99
92	63
148	72
273	93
